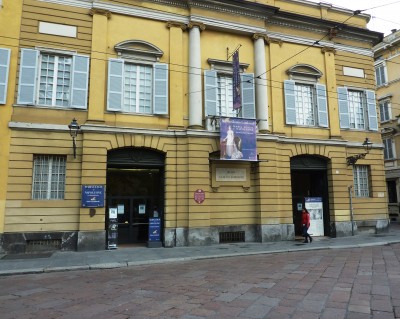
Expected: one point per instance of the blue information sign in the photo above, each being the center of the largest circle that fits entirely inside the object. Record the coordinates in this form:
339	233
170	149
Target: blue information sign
154	229
92	195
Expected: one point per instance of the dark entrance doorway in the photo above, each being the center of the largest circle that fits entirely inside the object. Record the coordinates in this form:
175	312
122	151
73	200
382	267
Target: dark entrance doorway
135	187
309	179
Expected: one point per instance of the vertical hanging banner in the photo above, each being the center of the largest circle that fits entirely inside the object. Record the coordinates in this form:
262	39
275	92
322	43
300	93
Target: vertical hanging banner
238	139
237	95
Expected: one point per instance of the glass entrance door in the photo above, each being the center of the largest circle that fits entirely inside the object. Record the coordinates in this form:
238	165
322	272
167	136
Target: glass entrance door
134	193
133	218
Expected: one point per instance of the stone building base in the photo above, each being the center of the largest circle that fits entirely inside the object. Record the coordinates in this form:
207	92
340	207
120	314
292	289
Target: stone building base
344	229
15	243
179	237
91	240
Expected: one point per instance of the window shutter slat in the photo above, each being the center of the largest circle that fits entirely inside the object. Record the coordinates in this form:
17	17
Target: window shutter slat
343	107
115	85
80	79
371	107
322	105
4	68
160	88
248	97
27	76
290	101
210	93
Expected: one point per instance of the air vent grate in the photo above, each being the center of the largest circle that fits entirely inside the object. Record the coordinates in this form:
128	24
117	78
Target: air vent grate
232	237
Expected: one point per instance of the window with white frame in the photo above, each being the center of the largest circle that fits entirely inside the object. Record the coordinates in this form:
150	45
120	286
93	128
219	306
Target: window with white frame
361	181
137	88
380	74
385	110
305	99
53	78
388	152
225	96
48	177
137	81
4	69
218	91
357	109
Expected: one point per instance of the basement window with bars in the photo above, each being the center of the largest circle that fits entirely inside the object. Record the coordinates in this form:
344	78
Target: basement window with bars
48	177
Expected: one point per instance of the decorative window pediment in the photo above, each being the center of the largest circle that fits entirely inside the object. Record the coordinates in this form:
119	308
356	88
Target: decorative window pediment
138	50
304	72
222	66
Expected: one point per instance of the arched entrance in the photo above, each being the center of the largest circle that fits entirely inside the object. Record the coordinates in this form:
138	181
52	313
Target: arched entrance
135	187
310	189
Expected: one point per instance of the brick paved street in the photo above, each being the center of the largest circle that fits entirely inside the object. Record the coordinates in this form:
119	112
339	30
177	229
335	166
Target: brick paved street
341	283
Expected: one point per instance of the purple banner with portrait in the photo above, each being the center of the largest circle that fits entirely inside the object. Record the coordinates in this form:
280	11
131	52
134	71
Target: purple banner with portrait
238	139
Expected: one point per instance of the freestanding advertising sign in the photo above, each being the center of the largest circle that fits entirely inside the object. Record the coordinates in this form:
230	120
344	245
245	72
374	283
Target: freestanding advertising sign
315	208
154	233
112	233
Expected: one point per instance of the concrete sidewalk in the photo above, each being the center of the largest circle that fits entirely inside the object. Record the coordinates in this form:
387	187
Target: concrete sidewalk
125	257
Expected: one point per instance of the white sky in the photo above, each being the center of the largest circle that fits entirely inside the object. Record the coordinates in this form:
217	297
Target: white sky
384	17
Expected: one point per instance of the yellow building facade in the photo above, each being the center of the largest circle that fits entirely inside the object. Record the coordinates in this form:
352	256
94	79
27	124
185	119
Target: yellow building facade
149	82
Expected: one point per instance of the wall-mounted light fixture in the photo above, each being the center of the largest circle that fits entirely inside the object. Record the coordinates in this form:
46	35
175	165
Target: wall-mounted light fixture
351	160
74	128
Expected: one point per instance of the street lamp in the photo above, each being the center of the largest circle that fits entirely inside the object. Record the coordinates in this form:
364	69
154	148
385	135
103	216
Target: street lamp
74	128
351	160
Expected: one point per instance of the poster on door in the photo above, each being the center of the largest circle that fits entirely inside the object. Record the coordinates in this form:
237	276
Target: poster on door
112	232
315	208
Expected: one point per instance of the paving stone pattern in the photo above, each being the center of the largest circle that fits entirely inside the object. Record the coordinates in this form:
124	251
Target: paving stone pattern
326	284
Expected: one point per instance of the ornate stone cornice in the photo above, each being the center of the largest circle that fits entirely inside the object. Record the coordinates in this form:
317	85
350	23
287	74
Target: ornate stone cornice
173	24
102	12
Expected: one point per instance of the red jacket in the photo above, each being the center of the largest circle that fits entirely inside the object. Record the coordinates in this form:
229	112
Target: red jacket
305	219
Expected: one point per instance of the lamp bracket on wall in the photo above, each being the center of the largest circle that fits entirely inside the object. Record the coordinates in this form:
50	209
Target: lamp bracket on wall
351	160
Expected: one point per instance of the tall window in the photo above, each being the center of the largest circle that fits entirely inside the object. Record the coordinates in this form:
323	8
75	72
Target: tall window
361	181
218	94
384	109
388	149
53	79
48	177
305	104
356	110
380	74
137	88
225	97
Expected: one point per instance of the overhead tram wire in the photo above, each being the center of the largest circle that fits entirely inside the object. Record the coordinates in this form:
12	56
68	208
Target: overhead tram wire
356	12
187	72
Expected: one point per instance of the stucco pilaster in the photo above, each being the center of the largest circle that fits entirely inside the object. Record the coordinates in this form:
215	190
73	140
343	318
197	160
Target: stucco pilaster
98	66
331	88
176	94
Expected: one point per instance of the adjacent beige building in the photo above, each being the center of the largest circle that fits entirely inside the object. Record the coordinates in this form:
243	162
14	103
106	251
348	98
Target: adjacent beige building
148	82
387	60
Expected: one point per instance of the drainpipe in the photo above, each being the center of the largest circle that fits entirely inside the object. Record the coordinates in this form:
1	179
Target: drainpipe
351	210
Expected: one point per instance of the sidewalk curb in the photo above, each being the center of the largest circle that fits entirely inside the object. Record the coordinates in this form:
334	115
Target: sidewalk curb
160	260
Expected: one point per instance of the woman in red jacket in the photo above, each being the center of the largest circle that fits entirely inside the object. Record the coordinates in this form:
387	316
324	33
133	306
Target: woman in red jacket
305	225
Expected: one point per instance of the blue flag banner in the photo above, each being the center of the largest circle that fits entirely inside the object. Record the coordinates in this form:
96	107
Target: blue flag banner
237	98
238	140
